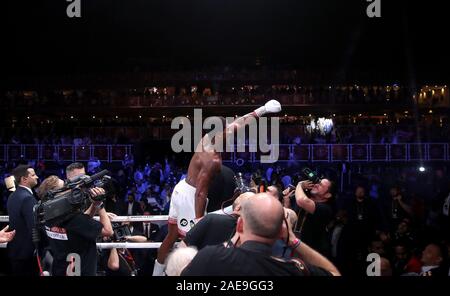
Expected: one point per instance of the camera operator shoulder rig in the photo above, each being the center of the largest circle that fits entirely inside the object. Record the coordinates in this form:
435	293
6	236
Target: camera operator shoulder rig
59	205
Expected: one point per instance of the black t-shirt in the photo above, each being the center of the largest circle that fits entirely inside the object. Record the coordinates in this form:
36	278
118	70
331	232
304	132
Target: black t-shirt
314	231
221	189
77	235
213	229
250	259
362	220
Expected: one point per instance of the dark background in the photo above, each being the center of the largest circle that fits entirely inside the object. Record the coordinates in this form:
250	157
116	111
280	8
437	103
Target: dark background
408	42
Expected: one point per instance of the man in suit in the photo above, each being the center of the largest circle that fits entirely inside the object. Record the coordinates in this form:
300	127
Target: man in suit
20	208
132	208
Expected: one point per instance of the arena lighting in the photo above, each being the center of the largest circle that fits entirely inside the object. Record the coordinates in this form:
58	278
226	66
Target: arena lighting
322	125
421	169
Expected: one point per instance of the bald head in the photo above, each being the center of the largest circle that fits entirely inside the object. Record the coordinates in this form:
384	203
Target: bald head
262	215
432	255
241	198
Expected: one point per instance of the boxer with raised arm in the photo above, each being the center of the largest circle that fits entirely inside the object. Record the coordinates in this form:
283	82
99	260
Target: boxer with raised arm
189	197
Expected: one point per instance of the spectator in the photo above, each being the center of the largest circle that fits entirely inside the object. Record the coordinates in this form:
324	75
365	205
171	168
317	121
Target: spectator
20	209
433	259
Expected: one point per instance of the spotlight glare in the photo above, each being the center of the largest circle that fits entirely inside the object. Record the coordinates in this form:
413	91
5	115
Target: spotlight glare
421	169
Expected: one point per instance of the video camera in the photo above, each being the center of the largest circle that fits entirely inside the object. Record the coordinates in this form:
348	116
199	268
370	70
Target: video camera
120	231
59	205
310	175
306	175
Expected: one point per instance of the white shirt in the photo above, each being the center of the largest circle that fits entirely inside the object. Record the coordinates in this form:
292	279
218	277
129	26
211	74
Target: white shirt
27	188
425	269
130	209
147	229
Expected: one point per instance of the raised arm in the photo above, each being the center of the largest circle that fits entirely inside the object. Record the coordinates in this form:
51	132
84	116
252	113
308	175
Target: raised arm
302	200
271	106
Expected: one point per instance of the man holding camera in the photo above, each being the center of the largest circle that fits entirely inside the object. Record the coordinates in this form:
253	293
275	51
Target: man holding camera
75	170
73	241
315	213
259	226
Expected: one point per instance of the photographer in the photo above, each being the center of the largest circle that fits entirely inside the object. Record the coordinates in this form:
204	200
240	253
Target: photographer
120	262
78	233
315	213
75	170
258	227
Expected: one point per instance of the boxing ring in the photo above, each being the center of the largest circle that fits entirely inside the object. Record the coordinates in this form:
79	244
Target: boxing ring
159	220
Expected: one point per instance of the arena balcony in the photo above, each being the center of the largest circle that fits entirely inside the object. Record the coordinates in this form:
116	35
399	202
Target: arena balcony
359	153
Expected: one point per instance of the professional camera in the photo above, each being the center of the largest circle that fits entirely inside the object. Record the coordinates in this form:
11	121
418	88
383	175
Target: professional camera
59	205
306	174
310	175
120	231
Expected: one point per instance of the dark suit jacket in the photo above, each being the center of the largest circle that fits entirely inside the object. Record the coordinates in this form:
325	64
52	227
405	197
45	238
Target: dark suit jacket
136	210
20	209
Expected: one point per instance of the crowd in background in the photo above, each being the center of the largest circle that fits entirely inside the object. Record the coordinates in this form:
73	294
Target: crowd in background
214	94
293	130
396	212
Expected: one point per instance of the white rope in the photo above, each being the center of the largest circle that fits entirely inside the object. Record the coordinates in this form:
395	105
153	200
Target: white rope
126	245
138	218
160	218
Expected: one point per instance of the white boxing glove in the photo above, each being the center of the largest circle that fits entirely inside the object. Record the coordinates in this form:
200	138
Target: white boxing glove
158	268
272	106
